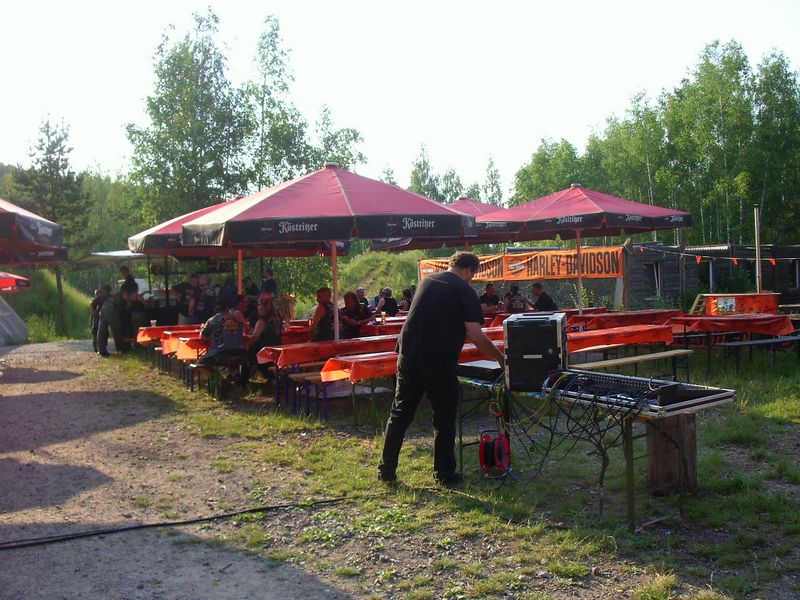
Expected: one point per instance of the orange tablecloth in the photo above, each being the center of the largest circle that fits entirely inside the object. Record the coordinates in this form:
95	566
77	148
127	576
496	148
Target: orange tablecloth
292	354
623	318
170	338
632	334
190	349
594	310
371	366
749	323
145	335
375	329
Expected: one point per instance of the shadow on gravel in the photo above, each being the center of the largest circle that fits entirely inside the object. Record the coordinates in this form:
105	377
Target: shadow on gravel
37	420
163	563
37	485
26	375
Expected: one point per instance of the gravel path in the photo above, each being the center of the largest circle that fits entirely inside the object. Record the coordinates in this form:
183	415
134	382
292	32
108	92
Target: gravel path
80	452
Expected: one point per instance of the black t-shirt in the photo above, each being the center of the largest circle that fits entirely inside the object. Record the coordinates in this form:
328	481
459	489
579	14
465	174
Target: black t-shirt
516	302
390	307
434	330
545	302
269	285
358	313
188	293
490	300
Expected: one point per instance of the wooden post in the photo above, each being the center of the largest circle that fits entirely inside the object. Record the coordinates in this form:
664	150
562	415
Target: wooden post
62	319
672	447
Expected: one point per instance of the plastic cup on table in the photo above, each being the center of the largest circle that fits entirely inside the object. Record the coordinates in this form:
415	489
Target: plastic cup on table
383	318
153	323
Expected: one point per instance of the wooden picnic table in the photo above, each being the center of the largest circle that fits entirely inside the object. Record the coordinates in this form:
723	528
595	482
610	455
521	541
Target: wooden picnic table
498	318
761	323
623	318
362	367
145	335
292	354
631	334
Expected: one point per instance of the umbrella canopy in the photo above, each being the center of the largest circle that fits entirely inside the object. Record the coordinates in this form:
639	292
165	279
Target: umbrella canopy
10	283
22	231
329	204
487	232
164	239
581	211
51	256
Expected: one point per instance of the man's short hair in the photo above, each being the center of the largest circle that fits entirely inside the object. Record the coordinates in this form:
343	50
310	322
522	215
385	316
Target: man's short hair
488	285
465	260
538	286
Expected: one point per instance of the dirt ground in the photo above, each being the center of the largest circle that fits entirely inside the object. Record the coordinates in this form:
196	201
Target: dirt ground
78	453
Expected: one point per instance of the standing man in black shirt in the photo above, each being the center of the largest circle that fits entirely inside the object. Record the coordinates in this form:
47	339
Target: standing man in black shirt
445	309
543	299
190	293
268	284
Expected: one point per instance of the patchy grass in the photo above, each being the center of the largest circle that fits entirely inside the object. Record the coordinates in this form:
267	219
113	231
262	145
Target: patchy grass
526	538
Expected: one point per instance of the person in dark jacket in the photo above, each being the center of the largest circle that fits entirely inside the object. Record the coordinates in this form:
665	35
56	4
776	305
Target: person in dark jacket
111	317
543	300
354	315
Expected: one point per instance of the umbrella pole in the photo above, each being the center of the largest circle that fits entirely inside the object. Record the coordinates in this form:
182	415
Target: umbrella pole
757	221
335	267
149	276
239	270
580	270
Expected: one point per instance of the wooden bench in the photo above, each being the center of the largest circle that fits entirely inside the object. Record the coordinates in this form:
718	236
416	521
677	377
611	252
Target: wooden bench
680	356
773	343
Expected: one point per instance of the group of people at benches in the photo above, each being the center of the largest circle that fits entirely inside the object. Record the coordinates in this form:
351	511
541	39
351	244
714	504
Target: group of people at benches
514	302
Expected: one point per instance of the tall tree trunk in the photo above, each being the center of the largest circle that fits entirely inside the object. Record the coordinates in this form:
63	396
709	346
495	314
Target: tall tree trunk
62	320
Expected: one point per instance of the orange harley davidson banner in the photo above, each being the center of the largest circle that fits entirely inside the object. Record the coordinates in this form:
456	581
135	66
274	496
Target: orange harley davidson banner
548	264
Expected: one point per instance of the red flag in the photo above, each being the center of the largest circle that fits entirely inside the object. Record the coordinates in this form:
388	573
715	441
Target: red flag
735	261
699	259
773	262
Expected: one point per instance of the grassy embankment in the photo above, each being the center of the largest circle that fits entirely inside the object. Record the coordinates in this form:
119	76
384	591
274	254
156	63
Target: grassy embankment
372	270
739	536
38	307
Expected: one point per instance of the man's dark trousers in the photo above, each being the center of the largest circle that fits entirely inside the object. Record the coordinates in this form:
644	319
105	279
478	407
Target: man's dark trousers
441	385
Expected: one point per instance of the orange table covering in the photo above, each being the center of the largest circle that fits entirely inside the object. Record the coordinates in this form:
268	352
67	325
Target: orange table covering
146	335
631	334
721	304
376	329
292	354
594	310
623	318
171	338
190	349
765	324
371	366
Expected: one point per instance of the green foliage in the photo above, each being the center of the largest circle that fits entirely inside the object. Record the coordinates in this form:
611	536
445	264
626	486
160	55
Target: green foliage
375	270
190	154
38	307
52	189
723	140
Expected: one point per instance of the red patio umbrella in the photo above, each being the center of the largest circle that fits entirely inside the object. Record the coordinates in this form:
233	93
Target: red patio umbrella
10	283
580	212
331	204
22	231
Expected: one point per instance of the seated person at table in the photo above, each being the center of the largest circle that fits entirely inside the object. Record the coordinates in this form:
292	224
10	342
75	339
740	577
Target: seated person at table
543	300
386	303
322	321
267	332
361	297
490	301
268	283
353	315
241	306
514	302
405	303
224	333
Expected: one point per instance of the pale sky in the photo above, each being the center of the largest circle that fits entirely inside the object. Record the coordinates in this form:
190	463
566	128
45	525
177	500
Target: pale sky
468	79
